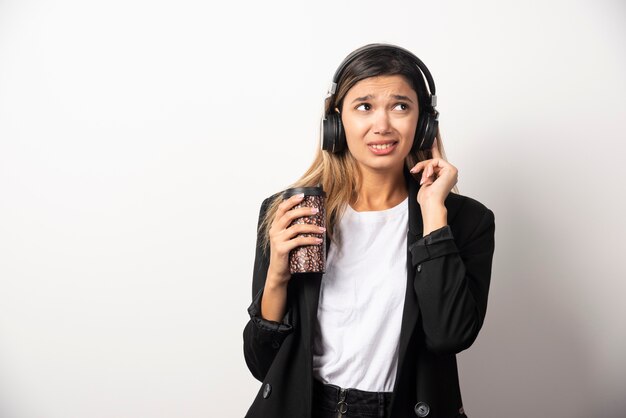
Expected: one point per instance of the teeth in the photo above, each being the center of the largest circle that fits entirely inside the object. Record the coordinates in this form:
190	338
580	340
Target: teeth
382	146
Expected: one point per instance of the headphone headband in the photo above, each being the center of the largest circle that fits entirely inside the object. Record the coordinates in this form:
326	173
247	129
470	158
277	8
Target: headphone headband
354	54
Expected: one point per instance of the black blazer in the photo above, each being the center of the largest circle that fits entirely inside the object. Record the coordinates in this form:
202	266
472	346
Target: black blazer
449	271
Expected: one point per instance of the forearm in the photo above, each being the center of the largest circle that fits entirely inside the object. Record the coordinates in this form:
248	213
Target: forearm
274	301
264	334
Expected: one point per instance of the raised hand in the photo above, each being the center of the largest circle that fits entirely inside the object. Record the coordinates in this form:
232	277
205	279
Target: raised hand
438	178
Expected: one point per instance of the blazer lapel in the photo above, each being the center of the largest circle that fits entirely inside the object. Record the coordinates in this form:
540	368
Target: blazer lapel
410	313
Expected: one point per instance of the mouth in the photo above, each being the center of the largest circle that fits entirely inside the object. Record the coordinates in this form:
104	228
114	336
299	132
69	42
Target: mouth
382	148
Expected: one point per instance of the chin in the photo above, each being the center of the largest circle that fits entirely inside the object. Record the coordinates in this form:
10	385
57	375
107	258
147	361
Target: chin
388	165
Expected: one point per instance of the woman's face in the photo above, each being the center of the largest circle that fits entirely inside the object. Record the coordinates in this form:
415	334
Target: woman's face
380	110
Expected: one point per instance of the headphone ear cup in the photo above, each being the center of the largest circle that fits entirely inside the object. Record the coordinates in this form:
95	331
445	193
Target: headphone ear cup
430	132
419	132
328	136
426	132
342	144
333	136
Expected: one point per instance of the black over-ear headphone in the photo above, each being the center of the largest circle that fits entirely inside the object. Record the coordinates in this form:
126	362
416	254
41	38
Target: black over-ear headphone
333	135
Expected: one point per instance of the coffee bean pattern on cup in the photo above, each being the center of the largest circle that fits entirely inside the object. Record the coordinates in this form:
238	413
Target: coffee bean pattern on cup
310	258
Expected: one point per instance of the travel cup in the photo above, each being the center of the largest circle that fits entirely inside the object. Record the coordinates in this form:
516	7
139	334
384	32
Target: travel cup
309	258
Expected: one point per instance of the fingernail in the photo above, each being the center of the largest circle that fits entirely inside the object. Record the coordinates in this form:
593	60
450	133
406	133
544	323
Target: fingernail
299	196
314	210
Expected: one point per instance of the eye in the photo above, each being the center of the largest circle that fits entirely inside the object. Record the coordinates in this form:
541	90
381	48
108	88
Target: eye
403	106
364	106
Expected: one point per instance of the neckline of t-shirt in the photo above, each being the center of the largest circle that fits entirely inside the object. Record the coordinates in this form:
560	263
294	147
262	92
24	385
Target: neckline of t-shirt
379	214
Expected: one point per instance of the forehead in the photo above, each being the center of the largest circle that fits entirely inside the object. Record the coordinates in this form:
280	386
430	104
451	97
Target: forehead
383	85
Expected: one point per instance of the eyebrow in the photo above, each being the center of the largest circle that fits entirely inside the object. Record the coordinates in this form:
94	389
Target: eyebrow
370	97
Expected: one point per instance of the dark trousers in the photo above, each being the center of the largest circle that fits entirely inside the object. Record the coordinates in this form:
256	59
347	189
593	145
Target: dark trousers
331	401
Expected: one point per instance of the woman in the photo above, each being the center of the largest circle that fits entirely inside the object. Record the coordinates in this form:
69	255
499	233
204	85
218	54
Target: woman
408	263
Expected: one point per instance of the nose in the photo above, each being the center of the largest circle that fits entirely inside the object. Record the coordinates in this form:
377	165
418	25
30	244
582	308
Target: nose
381	123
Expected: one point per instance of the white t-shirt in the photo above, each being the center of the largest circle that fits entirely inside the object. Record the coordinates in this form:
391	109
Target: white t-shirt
355	342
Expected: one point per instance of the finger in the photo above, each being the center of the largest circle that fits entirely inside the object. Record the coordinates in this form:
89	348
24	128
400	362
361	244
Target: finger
283	241
425	181
285	247
303	229
430	169
425	173
439	164
284	221
287	204
302	241
416	168
424	177
296	234
419	166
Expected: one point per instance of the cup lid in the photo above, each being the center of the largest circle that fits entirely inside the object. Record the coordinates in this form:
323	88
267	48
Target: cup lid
308	191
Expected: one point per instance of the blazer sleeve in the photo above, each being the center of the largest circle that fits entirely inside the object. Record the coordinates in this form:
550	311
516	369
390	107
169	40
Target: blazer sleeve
452	285
261	337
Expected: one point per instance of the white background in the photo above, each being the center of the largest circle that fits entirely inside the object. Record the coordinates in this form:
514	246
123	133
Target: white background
138	139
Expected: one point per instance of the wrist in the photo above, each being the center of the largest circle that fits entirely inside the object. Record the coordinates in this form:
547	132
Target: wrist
276	282
433	204
434	216
273	301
